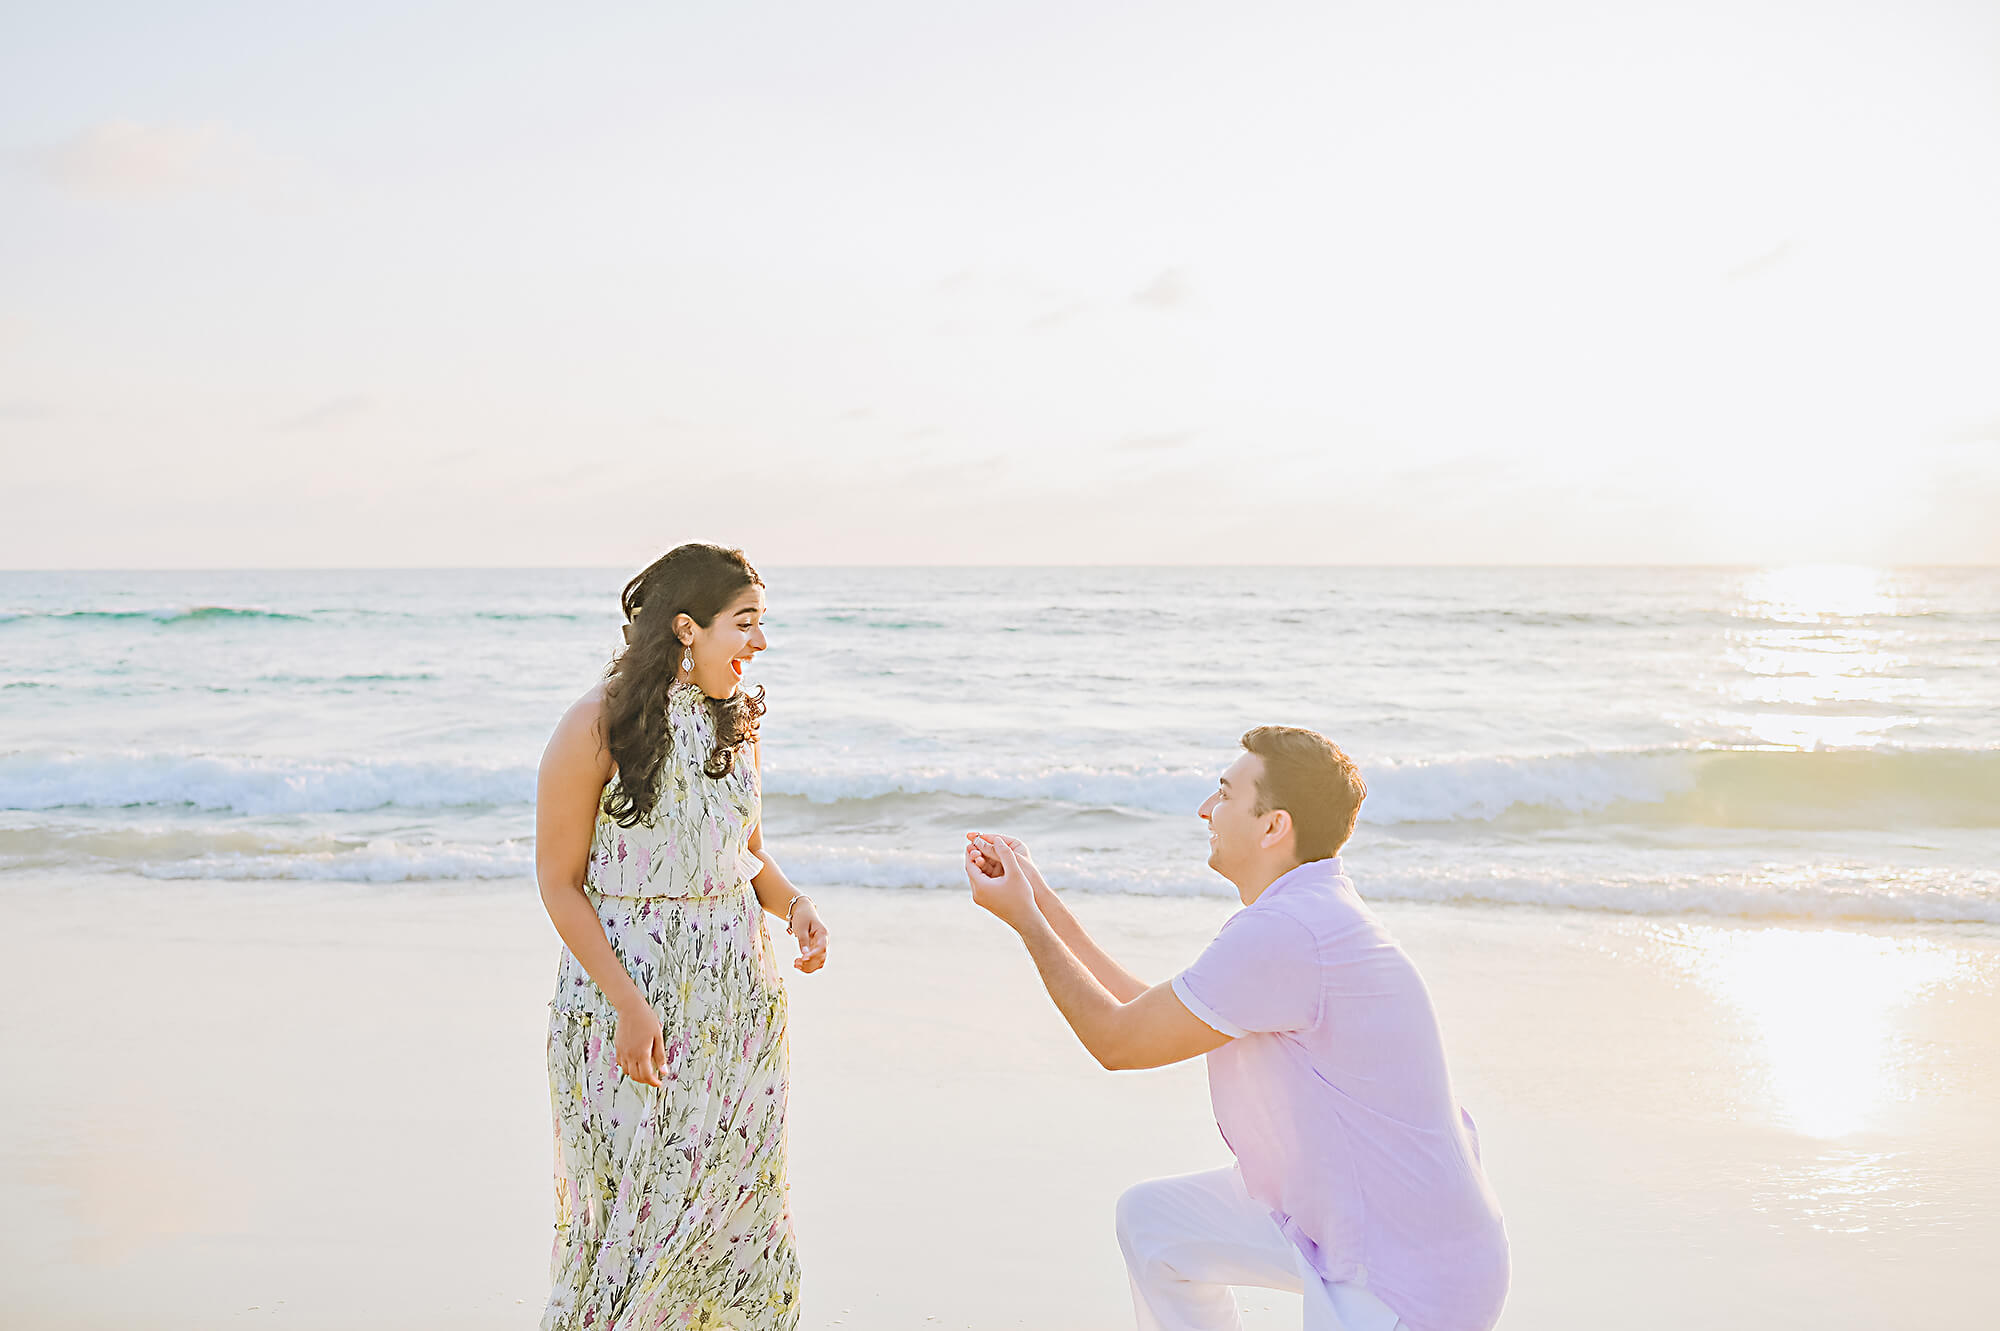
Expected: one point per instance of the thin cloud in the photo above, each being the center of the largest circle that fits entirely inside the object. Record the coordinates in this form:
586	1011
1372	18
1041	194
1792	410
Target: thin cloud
570	478
1168	291
327	415
125	160
1056	318
1155	443
929	471
1763	263
22	411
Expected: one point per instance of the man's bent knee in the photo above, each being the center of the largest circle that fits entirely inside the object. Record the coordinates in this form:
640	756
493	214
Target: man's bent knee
1131	1205
1138	1207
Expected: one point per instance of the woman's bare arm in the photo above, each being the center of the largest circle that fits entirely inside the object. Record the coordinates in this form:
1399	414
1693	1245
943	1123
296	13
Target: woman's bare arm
775	893
576	767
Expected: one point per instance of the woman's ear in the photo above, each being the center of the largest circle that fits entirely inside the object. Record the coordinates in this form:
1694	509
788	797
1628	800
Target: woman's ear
684	629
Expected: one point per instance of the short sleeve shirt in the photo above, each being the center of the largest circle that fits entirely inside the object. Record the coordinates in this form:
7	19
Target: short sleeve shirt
1334	1097
1259	976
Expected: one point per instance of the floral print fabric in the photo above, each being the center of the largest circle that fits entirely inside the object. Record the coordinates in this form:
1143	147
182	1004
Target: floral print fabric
671	1205
698	838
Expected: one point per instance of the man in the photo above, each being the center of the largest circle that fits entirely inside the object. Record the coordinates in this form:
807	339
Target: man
1357	1176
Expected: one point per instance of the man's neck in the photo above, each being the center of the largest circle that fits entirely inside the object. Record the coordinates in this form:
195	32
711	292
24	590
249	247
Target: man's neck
1253	886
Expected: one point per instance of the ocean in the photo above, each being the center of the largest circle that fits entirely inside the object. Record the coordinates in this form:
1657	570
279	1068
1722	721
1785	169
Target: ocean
1810	743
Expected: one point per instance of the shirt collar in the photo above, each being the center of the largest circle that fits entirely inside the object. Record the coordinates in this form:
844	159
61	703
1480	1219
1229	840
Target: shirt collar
1312	871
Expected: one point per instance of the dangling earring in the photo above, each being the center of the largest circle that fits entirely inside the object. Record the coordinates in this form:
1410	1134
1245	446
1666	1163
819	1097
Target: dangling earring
687	660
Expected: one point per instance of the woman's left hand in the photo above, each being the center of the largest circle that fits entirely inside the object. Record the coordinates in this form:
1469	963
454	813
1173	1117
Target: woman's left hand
810	930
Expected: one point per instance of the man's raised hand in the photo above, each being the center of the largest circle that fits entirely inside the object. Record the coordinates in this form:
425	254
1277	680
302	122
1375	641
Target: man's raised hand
1020	849
999	881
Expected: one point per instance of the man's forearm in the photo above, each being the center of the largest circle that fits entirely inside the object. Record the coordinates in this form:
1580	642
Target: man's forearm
1088	1006
1120	983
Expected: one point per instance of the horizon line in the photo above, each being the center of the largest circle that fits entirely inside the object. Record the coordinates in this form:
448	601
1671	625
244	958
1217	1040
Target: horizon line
1721	566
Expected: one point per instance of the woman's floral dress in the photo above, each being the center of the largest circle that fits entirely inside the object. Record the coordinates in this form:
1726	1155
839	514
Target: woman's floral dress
671	1207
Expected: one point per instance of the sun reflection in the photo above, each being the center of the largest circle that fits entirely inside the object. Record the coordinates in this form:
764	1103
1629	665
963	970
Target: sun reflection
1790	730
1813	593
1825	1006
1840	1191
1809	654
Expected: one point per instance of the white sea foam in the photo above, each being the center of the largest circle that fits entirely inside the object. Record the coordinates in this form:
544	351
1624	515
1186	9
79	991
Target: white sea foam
1478	789
251	785
1941	897
383	861
1726	787
1157	789
1953	787
1439	791
1851	890
1893	897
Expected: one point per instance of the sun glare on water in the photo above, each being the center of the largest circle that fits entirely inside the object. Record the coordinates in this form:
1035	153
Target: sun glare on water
1824	1005
1813	654
1816	593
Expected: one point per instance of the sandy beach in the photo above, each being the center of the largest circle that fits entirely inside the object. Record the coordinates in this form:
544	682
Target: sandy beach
323	1105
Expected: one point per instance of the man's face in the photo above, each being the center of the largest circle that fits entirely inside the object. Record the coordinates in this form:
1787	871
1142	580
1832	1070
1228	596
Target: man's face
1234	826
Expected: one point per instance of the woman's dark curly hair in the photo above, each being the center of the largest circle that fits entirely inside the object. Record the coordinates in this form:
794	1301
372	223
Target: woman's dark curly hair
699	581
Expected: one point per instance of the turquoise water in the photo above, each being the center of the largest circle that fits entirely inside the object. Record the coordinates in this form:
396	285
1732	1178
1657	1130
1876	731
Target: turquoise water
1818	743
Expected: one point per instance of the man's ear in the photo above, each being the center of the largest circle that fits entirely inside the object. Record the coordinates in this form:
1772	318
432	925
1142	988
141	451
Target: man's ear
1277	823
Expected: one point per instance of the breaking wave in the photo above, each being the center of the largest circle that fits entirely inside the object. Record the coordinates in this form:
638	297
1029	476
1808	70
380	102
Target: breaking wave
1884	788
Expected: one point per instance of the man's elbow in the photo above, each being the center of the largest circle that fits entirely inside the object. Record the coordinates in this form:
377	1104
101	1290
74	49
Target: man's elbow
1116	1053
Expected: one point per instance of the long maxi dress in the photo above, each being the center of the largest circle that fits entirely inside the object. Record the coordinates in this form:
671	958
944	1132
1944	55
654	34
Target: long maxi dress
671	1203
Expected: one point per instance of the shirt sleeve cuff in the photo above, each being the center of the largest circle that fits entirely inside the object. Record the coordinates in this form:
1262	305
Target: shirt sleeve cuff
1204	1011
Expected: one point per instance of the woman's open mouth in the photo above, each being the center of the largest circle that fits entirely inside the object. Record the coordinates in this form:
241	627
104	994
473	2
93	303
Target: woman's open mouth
736	664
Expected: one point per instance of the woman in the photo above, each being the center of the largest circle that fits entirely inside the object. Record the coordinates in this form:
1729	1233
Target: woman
667	1057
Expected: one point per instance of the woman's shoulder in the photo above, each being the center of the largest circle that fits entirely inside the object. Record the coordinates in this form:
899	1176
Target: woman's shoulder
587	712
579	735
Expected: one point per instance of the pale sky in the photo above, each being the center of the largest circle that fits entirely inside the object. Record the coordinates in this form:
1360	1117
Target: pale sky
911	282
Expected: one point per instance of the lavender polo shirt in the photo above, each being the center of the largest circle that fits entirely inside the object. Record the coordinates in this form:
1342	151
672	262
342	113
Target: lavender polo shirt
1334	1098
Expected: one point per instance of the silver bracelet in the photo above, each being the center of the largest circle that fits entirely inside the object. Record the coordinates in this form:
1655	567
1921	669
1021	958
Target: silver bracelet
793	905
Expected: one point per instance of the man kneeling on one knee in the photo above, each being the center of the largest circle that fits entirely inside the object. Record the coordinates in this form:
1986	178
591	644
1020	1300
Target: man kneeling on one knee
1357	1178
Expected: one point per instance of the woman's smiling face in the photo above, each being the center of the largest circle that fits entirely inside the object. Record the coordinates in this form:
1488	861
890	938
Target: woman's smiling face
722	651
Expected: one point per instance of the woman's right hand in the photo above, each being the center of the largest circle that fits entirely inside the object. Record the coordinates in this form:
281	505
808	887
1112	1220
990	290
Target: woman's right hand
641	1044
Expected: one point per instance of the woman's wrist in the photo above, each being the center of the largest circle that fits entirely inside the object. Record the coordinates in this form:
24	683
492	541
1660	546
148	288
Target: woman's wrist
629	999
778	899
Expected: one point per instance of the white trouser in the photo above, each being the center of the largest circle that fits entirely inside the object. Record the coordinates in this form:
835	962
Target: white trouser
1188	1239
